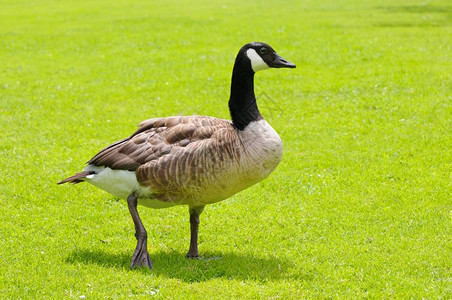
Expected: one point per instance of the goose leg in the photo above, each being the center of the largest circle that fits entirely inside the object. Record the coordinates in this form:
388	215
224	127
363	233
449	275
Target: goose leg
194	225
140	257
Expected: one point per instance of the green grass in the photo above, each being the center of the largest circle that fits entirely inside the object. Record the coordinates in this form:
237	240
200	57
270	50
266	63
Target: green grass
360	206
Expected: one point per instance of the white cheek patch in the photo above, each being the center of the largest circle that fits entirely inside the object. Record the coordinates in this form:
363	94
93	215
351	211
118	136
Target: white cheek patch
257	63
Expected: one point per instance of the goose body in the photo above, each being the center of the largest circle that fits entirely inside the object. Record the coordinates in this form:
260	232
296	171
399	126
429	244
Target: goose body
192	160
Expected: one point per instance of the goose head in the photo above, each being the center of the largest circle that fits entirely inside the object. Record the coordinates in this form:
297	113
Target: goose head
252	57
262	56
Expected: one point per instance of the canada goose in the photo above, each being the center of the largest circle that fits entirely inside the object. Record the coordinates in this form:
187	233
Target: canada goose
192	160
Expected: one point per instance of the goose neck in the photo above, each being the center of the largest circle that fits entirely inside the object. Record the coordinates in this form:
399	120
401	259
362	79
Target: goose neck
242	102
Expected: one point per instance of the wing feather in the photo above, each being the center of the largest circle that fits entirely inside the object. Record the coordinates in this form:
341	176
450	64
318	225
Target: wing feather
168	149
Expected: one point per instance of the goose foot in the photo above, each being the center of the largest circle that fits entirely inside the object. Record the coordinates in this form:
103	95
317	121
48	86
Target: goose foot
192	255
141	257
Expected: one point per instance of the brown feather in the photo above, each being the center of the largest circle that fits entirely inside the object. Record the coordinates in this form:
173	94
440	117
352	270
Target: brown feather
169	153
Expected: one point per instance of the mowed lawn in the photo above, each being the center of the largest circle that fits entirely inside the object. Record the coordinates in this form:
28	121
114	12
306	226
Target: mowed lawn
359	207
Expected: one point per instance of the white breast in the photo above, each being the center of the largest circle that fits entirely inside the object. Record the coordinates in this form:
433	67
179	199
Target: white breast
263	146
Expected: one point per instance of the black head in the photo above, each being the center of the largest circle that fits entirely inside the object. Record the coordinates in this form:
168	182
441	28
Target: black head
262	56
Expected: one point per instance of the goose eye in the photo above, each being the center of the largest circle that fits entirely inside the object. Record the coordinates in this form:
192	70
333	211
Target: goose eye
263	50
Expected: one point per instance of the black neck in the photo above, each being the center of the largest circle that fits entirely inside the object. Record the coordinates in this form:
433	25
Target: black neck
242	103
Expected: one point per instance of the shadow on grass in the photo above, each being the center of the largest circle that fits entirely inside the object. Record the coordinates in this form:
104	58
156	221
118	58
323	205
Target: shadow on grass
212	265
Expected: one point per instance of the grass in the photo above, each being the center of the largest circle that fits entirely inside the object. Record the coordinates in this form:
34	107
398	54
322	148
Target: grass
360	206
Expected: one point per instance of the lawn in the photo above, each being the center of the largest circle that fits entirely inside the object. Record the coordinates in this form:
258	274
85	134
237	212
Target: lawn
359	207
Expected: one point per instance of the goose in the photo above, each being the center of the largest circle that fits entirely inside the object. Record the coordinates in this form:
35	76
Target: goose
192	160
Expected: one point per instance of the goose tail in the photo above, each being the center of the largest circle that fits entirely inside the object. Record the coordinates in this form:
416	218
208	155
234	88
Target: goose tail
77	178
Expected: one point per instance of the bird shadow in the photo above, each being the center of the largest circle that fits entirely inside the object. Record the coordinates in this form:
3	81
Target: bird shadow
174	265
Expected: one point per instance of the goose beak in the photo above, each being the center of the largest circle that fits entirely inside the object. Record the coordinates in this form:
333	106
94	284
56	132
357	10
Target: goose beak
280	62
